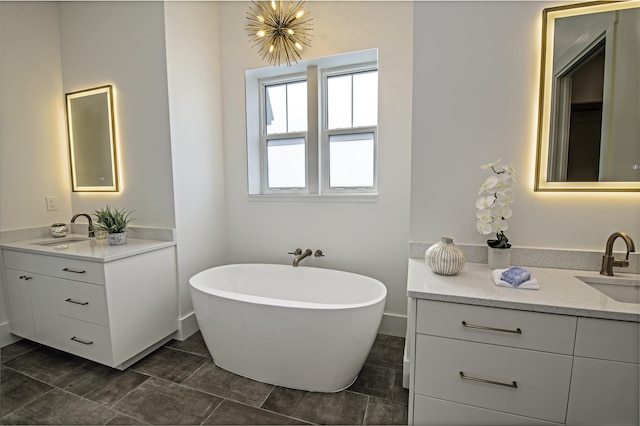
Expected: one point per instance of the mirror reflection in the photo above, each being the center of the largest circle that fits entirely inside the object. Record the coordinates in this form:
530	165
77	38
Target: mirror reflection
92	148
589	133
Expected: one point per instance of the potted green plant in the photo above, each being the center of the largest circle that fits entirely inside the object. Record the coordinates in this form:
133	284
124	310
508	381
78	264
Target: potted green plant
115	222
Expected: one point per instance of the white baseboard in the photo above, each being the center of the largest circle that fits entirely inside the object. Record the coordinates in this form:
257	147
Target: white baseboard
6	338
187	325
393	325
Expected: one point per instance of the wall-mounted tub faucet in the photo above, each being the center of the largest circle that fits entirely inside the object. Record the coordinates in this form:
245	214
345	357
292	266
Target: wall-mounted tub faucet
91	231
300	255
608	260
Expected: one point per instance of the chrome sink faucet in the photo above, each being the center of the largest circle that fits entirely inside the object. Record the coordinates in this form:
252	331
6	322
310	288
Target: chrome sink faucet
608	260
91	230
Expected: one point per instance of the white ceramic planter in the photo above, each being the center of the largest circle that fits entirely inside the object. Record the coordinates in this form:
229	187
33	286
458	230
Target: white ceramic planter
117	238
499	258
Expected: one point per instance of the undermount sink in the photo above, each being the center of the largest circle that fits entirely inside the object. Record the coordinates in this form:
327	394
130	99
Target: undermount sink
59	241
626	290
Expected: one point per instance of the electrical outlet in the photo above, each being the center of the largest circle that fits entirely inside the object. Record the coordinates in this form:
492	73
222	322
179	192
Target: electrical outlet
52	203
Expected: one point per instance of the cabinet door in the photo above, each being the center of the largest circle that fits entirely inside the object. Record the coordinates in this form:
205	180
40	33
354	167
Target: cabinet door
603	393
21	311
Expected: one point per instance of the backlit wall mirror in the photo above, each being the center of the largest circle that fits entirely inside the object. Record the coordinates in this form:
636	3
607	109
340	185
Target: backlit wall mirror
589	117
92	145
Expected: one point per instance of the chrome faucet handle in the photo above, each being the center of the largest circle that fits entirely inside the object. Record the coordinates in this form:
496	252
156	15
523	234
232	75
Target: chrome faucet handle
297	252
318	253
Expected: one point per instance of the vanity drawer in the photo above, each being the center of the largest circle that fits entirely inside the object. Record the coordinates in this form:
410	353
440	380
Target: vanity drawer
53	296
541	379
431	411
61	267
84	339
81	301
538	331
608	339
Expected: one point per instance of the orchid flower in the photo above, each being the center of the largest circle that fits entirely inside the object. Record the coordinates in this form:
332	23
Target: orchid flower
494	202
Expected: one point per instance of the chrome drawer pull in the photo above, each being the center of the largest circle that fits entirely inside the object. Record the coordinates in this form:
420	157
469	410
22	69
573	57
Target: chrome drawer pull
513	384
75	271
484	327
84	342
77	302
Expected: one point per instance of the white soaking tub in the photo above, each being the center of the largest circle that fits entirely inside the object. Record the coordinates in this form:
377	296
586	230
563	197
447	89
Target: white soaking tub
302	328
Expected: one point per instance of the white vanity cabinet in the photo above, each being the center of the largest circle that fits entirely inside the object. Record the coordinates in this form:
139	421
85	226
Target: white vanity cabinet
605	380
478	353
483	365
109	312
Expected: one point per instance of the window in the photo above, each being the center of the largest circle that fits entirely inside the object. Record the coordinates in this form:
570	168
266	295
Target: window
351	110
313	130
284	128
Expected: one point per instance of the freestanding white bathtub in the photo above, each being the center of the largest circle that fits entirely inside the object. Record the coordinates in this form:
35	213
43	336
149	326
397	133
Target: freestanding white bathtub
302	328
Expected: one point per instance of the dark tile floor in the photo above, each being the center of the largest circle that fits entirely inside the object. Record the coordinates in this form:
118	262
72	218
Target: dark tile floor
180	384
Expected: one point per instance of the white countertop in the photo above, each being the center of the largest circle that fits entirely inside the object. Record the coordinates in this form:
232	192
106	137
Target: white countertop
560	291
88	249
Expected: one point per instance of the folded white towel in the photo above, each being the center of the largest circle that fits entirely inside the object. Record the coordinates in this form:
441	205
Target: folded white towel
532	284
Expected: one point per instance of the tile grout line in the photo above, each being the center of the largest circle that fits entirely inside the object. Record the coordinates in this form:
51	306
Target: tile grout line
116	412
120	413
188	352
212	412
54	387
177	384
128	393
28	402
366	410
268	395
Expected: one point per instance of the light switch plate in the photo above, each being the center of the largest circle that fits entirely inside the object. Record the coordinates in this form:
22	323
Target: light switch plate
52	203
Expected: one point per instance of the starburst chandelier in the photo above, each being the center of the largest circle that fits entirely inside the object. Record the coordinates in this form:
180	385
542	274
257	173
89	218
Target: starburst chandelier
280	29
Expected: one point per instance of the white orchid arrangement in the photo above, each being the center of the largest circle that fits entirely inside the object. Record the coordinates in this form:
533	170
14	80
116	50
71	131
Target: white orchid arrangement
494	203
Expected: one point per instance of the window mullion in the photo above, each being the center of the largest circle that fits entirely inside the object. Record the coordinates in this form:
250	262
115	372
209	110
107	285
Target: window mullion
313	160
286	106
352	107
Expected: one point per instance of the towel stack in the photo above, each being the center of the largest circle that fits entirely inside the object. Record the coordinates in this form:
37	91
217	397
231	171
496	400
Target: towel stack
515	277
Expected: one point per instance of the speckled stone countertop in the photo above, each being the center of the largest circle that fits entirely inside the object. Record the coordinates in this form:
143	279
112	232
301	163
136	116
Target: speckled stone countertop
88	249
560	291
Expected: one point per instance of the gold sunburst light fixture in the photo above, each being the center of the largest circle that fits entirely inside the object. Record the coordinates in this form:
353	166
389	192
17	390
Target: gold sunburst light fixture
280	29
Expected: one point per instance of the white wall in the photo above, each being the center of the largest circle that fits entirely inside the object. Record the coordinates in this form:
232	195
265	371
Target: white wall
195	106
33	148
33	154
123	43
475	94
368	238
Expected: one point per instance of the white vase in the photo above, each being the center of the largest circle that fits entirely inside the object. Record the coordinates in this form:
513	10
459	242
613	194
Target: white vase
499	258
117	238
445	258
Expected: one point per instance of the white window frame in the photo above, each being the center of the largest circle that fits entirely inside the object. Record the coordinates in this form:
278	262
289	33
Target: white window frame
264	137
327	133
316	137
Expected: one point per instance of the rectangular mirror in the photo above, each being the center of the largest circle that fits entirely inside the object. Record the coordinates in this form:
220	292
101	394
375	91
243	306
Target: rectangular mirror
588	133
92	145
